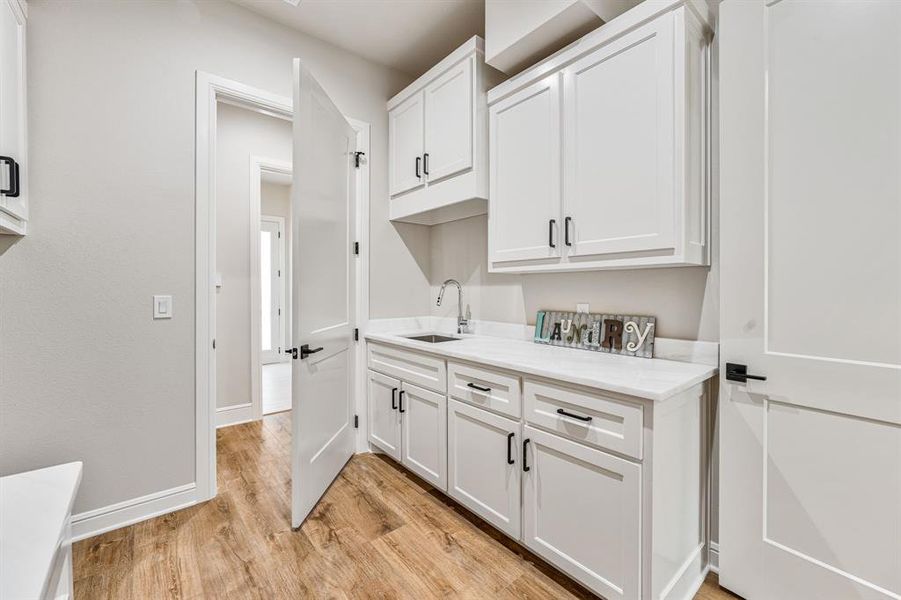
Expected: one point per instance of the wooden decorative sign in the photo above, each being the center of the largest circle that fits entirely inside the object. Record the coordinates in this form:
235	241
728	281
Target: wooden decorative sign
616	334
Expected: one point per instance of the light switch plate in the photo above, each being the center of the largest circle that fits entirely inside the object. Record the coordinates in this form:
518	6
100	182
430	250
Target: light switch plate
162	307
583	308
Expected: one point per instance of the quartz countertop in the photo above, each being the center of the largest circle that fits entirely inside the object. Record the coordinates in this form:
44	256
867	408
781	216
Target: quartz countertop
650	378
34	508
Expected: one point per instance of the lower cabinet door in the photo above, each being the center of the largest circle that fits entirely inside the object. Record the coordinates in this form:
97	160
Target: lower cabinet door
484	465
384	413
424	425
582	513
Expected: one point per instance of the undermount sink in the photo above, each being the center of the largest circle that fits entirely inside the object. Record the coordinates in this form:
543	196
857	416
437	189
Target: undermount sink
432	338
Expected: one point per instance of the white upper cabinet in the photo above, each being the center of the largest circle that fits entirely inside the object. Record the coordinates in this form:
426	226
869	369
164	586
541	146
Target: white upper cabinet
621	168
438	140
449	124
406	132
13	180
524	222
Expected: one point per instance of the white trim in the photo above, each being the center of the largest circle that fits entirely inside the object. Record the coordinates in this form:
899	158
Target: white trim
713	557
235	414
680	586
100	520
259	165
210	90
362	212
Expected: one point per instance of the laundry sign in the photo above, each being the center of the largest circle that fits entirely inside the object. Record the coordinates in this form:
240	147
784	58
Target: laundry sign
616	334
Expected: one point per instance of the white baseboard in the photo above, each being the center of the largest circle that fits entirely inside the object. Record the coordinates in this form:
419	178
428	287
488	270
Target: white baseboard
233	415
100	520
688	579
713	557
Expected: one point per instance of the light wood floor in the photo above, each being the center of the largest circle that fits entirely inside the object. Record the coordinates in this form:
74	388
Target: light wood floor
377	533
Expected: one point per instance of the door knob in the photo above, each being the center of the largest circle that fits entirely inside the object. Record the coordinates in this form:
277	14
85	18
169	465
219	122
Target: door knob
305	351
739	373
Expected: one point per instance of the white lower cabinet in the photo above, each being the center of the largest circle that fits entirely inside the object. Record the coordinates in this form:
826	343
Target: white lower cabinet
581	511
424	440
384	417
483	465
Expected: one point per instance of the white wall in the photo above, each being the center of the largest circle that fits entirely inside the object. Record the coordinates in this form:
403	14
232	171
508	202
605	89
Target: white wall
685	299
241	134
85	373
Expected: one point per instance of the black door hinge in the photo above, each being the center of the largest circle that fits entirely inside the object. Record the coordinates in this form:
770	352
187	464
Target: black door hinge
279	235
356	335
357	156
356	422
357	248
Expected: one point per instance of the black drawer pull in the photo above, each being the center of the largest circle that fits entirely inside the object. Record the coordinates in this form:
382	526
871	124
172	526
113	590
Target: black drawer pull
560	411
425	163
401	401
510	460
525	463
566	223
393	398
550	233
478	387
13	191
418	163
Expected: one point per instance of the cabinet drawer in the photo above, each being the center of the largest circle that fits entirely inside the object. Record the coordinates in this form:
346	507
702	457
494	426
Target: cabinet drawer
419	369
486	388
592	419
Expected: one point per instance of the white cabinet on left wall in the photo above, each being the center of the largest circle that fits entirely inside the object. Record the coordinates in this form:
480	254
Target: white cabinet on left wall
438	140
13	135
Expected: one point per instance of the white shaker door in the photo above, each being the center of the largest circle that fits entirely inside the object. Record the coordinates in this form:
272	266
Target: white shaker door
449	122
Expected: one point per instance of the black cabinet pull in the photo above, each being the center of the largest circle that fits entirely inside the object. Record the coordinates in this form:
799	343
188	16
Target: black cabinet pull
393	398
418	162
13	191
510	460
550	233
425	163
560	411
478	387
402	392
305	351
739	373
566	223
525	462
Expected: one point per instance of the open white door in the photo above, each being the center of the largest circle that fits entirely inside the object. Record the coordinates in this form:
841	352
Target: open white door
323	203
810	458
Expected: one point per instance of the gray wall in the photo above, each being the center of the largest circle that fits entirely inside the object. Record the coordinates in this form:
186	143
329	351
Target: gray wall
241	134
85	373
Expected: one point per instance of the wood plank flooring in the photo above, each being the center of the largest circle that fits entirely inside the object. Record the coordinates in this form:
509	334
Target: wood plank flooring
378	533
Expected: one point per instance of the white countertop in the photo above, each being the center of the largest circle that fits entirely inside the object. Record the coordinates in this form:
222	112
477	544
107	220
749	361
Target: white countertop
34	508
650	378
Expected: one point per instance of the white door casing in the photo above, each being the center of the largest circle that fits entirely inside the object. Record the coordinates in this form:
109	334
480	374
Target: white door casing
272	271
525	185
810	458
449	122
323	205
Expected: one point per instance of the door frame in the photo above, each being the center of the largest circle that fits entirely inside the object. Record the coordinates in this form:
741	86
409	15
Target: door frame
258	166
283	267
210	90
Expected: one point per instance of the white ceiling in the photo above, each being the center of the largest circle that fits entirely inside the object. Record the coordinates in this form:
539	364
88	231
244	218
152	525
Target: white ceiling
408	35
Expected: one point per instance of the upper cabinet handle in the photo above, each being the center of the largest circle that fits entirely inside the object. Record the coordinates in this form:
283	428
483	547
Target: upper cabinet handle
566	231
418	162
13	191
425	163
551	225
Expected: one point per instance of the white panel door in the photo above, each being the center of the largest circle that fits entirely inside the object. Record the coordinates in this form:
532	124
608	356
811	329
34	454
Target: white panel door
483	465
582	512
525	187
271	289
12	111
449	122
384	413
424	426
405	144
810	458
619	145
323	204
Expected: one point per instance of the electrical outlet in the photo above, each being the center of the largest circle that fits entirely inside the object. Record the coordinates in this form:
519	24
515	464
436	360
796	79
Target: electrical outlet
583	307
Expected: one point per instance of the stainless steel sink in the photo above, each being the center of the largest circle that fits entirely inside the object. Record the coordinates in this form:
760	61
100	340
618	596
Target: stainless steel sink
432	338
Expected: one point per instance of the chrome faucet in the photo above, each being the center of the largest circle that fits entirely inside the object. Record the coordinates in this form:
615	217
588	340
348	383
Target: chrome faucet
462	322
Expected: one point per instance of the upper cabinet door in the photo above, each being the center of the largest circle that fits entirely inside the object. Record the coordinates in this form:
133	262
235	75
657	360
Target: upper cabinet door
619	149
524	221
405	128
12	109
449	122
